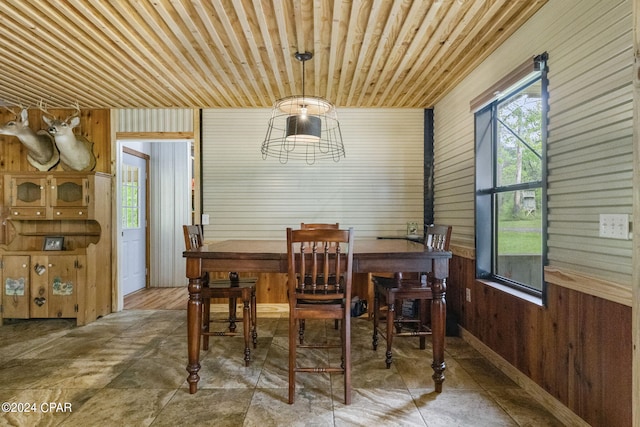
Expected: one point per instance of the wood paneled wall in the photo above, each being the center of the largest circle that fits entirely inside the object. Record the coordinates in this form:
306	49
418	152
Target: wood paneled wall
95	125
578	348
272	287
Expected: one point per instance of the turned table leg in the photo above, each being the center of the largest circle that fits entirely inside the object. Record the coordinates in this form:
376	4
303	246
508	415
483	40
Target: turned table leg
438	320
194	323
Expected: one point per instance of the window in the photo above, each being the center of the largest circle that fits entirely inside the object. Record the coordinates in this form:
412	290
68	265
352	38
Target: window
130	197
510	135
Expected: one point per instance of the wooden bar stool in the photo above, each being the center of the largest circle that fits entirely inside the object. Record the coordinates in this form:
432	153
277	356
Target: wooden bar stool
234	288
393	291
320	270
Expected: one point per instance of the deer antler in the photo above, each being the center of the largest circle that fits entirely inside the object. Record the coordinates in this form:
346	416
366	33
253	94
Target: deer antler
76	105
11	110
43	107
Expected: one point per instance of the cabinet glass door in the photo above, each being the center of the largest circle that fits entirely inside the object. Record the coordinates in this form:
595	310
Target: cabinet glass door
28	192
69	191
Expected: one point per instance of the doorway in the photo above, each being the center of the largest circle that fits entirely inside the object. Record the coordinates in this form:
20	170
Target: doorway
168	201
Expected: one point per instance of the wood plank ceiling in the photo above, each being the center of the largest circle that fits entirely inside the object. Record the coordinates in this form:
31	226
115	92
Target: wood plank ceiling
240	53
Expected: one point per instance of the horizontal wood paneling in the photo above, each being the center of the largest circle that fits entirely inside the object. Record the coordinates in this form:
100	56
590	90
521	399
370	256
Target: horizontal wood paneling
578	347
376	189
590	145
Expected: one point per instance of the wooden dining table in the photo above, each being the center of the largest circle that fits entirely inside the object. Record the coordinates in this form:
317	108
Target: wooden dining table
270	256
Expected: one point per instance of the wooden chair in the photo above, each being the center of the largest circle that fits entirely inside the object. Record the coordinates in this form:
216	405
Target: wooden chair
394	290
313	226
233	288
313	256
321	226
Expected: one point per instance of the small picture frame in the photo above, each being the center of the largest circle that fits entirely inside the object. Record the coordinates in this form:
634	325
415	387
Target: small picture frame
53	243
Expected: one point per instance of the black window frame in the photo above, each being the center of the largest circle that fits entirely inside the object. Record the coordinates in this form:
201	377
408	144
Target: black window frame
486	187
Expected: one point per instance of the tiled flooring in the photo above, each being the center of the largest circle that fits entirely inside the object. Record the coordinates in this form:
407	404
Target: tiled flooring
128	369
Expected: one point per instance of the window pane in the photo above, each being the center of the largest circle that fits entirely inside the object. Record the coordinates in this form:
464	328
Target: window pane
519	133
130	197
519	248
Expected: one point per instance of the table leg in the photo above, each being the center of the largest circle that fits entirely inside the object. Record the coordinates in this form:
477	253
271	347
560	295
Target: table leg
194	325
376	318
254	319
391	309
246	319
438	321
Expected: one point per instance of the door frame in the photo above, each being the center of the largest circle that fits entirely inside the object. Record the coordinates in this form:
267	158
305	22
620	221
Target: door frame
120	139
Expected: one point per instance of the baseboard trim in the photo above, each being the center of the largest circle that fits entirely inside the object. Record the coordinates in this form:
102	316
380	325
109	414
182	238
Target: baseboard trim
557	408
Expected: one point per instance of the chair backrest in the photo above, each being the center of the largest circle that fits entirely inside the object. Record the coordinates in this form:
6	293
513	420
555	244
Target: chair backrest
316	257
437	236
193	236
304	226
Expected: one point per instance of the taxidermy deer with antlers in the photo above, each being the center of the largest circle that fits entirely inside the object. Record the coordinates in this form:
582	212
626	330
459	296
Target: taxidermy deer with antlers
41	151
76	153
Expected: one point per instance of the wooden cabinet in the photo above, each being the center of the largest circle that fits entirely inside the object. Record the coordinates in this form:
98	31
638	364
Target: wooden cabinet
74	282
50	197
56	281
15	284
41	286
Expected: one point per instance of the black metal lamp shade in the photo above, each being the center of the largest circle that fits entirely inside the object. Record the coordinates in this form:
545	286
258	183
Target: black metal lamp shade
303	128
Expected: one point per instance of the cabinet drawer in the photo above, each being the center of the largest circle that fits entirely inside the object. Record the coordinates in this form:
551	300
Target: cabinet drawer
28	213
70	213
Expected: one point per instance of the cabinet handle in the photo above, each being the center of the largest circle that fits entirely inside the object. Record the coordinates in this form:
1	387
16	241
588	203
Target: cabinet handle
80	213
50	265
24	265
57	213
38	213
16	213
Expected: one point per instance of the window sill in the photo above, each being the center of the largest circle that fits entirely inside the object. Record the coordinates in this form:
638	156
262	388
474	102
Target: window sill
514	292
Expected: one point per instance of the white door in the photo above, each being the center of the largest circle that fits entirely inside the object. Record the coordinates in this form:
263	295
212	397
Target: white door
133	253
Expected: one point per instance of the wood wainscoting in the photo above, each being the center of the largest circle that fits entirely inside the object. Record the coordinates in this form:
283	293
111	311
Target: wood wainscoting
271	289
578	347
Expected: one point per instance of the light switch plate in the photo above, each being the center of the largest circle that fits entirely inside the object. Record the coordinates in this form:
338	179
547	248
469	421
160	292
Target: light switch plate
614	226
205	219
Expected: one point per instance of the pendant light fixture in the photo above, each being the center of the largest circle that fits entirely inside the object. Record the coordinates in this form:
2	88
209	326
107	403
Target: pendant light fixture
303	127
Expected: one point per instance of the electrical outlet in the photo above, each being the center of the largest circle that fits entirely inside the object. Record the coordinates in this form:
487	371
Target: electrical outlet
468	295
205	219
614	226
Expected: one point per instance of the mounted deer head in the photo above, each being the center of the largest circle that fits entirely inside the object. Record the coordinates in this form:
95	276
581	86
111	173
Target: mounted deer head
41	151
75	153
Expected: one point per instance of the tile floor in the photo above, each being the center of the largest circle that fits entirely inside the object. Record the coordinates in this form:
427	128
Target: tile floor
128	369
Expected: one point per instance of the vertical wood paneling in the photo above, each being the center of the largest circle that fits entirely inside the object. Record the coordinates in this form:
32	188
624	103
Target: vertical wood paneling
155	120
376	189
590	132
170	172
577	347
95	126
